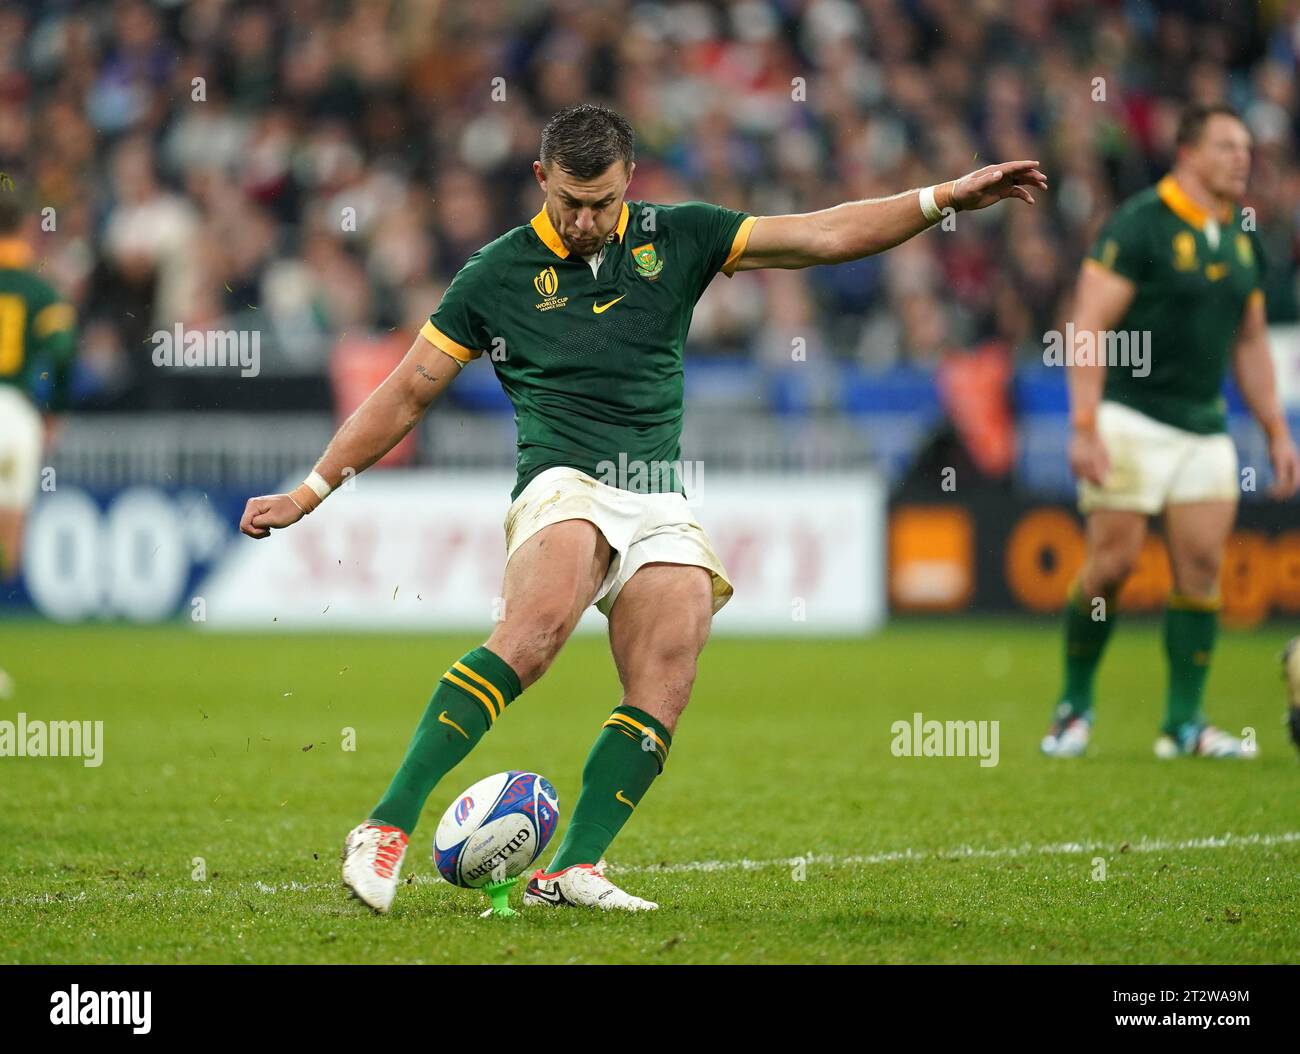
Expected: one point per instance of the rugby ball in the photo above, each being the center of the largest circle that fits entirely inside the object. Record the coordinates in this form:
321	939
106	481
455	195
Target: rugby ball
496	829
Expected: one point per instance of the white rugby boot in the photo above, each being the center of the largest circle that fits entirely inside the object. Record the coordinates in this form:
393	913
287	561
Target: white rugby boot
1203	742
581	886
1068	736
372	864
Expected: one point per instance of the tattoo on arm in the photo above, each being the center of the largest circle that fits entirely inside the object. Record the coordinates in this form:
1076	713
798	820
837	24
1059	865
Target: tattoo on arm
419	368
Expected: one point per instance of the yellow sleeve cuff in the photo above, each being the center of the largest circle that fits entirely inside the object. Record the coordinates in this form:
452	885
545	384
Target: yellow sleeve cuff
442	342
738	244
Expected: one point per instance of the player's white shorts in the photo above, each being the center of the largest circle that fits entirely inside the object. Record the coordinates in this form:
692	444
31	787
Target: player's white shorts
640	528
21	436
1153	464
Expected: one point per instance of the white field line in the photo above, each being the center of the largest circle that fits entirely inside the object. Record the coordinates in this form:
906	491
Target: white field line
901	856
966	852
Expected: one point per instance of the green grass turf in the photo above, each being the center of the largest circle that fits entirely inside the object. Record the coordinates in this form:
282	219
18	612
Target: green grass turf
784	752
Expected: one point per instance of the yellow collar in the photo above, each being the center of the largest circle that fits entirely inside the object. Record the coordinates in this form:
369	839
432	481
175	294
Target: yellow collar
14	253
1184	207
541	223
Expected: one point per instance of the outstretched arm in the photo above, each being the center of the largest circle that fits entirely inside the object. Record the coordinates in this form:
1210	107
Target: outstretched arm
862	228
373	429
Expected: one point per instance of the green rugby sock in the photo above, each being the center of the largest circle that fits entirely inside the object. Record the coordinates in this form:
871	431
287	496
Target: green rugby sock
1085	641
471	695
1191	626
629	753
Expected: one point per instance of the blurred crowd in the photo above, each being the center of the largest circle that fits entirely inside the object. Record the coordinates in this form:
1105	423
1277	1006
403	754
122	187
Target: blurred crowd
313	168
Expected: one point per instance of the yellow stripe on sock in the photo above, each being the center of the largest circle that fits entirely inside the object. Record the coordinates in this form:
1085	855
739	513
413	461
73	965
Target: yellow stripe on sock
617	720
496	694
1183	602
626	731
487	703
624	724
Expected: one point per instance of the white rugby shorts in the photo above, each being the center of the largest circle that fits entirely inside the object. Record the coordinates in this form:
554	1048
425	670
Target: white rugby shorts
1153	464
640	528
21	438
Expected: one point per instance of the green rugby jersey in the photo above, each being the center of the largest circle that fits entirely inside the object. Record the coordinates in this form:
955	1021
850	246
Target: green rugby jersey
592	362
36	327
1192	290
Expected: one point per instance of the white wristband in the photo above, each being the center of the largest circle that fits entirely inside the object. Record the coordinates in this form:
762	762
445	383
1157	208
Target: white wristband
318	485
929	209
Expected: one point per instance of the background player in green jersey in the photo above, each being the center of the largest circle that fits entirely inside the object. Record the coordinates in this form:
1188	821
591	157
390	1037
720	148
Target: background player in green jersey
583	313
37	338
1179	267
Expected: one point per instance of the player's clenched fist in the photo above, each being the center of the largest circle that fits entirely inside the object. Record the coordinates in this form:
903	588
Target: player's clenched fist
268	511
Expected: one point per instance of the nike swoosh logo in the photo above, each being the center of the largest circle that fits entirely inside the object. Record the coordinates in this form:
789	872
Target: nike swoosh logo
598	308
619	797
448	721
551	896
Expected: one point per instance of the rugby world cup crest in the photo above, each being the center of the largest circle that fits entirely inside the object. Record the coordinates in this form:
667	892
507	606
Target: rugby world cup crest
546	282
647	260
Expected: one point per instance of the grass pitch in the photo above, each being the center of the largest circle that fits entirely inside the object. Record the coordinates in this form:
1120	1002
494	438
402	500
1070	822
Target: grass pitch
784	829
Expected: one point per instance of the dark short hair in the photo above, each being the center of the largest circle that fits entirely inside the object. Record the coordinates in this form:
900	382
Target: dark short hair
586	139
1194	119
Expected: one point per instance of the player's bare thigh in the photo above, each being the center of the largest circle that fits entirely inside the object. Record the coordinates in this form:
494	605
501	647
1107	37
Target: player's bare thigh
11	537
549	582
657	628
1197	532
1114	540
